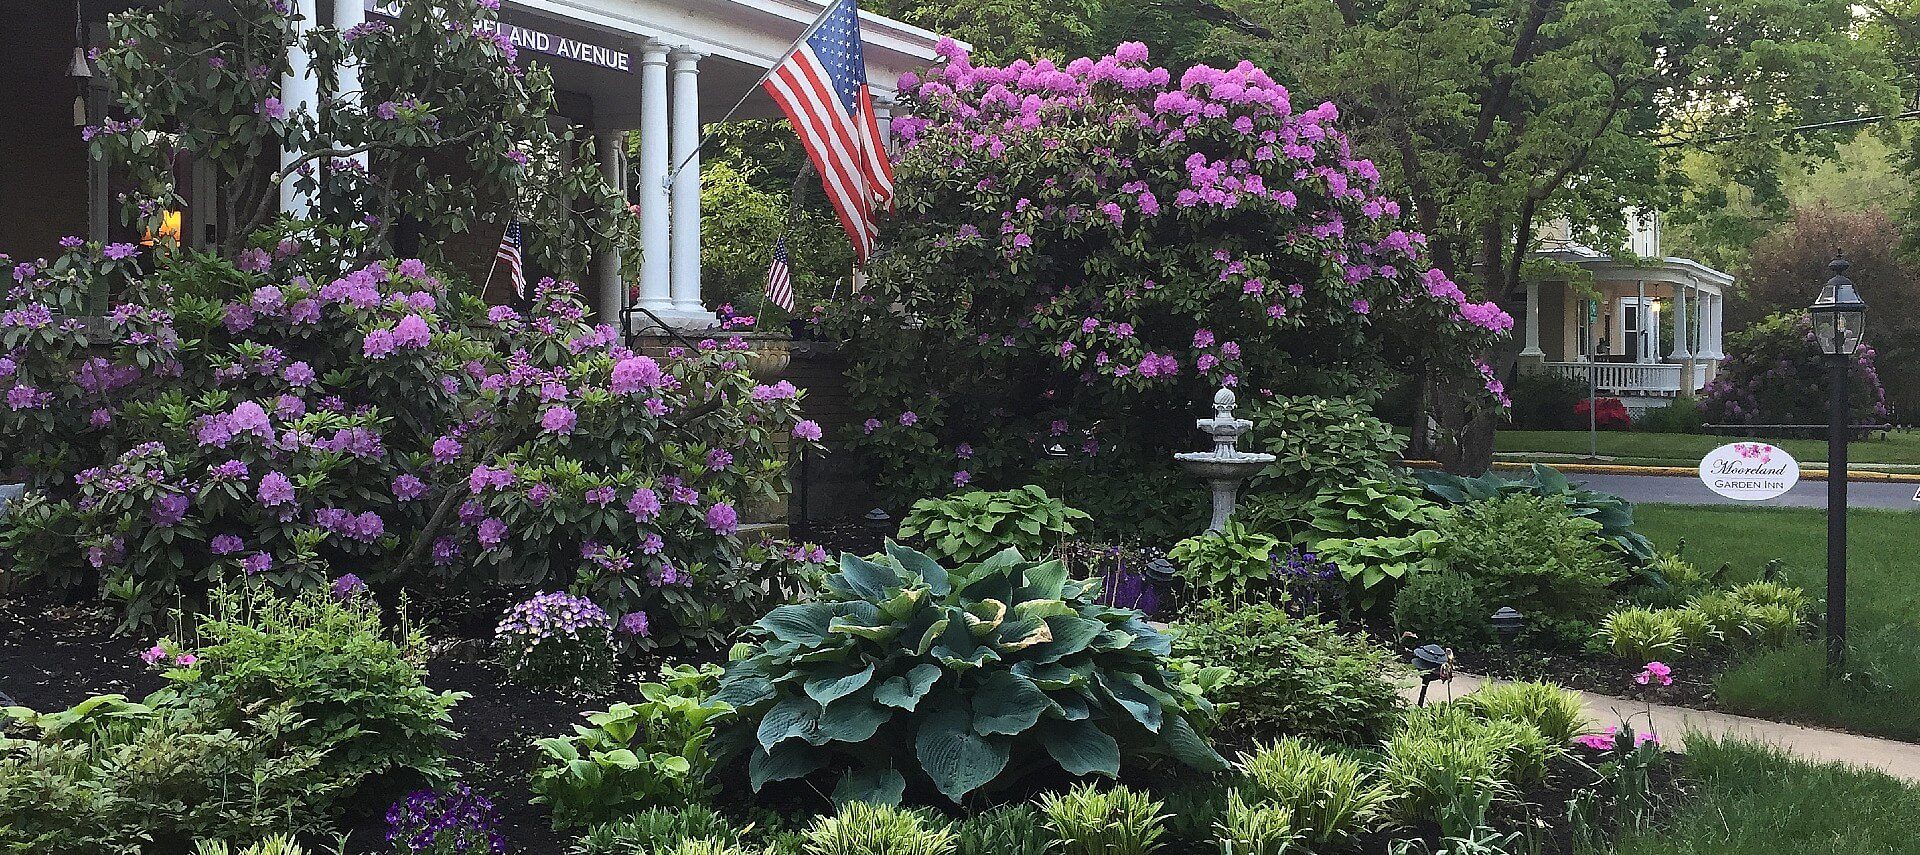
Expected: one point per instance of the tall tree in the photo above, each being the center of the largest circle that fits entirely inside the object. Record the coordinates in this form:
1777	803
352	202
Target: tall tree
1495	116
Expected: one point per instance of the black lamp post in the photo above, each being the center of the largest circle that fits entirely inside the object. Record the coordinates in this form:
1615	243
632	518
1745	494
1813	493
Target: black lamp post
1507	623
879	523
1839	320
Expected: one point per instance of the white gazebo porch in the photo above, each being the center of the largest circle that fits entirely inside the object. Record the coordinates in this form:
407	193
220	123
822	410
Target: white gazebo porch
1649	327
658	69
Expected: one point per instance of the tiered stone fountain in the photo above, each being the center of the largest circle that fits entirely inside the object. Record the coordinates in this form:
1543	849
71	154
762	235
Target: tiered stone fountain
1226	466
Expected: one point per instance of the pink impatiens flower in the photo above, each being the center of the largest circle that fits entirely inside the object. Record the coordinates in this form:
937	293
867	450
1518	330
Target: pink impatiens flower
1655	673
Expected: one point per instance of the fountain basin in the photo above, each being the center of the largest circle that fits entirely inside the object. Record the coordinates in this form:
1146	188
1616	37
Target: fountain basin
1214	467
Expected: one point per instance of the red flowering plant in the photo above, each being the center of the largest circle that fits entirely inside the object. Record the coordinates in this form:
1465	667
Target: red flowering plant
1081	254
273	416
1607	414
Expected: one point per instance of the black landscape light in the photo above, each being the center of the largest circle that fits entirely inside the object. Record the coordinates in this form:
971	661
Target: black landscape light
879	522
1432	662
1507	623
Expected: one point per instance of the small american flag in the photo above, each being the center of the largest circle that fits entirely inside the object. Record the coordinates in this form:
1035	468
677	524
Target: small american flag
509	255
822	87
779	278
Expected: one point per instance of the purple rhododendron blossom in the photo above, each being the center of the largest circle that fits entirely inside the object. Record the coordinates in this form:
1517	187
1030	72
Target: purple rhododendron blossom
275	489
722	518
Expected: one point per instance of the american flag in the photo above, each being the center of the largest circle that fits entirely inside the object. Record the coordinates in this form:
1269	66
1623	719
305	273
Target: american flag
822	87
509	255
779	278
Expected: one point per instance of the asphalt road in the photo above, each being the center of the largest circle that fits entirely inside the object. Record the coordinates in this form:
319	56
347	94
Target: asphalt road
1667	489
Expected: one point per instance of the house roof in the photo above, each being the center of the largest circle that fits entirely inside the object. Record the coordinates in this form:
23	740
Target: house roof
1670	269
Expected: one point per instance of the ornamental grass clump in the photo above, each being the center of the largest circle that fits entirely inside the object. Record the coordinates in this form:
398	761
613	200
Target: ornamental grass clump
1089	820
1254	828
862	828
905	674
1330	798
556	639
1557	713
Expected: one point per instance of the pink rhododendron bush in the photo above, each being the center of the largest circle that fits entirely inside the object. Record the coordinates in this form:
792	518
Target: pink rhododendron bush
277	419
1080	255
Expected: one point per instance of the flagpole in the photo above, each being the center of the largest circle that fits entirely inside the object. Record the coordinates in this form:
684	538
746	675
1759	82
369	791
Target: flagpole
496	260
707	136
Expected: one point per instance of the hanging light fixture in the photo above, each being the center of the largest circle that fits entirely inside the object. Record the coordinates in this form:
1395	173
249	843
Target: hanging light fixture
79	70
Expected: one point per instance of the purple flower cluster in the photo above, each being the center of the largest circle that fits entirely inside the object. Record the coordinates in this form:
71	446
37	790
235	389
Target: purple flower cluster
555	615
457	822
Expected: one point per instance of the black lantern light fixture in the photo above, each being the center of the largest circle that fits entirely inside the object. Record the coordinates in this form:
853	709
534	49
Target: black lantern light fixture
1839	323
1433	663
79	70
1507	623
879	522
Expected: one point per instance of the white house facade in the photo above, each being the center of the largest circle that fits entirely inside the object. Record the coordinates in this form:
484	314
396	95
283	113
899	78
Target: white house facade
655	69
1648	330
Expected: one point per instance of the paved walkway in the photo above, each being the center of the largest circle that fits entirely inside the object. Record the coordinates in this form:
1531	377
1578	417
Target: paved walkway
1899	759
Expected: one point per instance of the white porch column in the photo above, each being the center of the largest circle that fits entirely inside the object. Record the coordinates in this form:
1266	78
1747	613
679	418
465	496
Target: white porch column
348	14
1533	323
299	93
1680	352
652	177
1717	304
609	291
883	116
685	250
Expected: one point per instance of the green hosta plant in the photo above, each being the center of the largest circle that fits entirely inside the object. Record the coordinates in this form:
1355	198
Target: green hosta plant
635	755
907	672
1227	561
1613	514
1367	508
971	526
1376	567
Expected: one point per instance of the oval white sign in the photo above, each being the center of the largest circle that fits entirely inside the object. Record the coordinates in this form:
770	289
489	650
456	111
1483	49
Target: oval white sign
1749	471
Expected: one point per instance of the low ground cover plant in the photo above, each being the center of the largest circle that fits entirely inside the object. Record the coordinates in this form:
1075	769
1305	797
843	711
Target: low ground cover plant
968	527
1288	675
633	756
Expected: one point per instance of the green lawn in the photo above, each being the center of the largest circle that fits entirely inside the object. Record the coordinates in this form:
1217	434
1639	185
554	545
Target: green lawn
1754	800
1883	598
1899	447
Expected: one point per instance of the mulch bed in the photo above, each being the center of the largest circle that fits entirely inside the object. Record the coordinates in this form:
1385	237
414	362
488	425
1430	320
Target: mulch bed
1602	675
54	654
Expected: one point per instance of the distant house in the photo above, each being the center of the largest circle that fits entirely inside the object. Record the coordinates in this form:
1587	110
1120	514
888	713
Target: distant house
1650	332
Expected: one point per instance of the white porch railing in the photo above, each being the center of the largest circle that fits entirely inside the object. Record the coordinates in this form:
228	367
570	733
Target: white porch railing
1631	378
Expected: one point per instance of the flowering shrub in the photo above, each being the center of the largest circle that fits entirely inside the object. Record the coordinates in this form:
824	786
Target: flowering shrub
456	822
1774	374
557	639
1082	253
275	415
1607	413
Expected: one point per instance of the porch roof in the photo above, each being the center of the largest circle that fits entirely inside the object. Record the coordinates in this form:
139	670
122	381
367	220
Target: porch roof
1671	270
